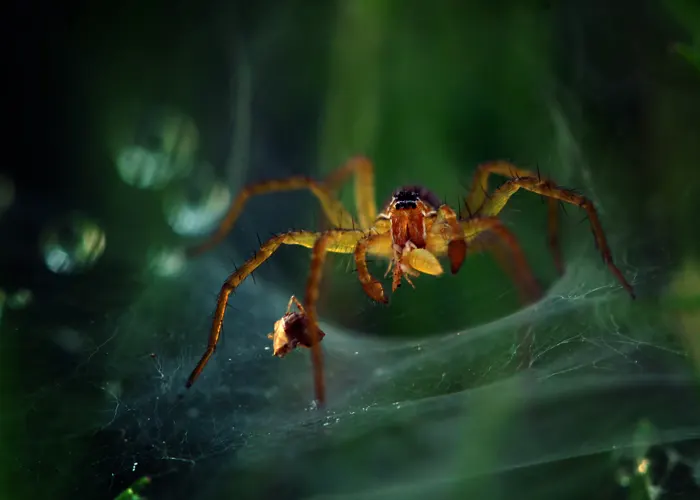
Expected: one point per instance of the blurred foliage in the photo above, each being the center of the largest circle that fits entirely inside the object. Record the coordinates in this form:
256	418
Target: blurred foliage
687	14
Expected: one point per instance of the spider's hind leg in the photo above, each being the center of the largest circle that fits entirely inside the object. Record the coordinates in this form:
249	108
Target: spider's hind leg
479	202
498	199
365	201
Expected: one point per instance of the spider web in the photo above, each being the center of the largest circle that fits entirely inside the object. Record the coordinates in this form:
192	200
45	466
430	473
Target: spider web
428	414
569	376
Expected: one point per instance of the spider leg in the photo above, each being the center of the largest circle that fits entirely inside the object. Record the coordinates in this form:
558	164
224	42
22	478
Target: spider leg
328	241
318	257
479	202
334	210
514	262
507	252
378	244
523	179
364	187
337	241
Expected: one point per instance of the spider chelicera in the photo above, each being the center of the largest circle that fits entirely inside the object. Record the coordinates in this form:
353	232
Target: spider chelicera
411	232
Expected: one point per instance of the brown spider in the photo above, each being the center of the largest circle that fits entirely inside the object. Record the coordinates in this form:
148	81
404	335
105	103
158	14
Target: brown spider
412	231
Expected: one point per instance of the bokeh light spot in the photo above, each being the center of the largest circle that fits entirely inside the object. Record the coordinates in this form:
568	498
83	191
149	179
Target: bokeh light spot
166	262
20	299
72	244
163	149
195	208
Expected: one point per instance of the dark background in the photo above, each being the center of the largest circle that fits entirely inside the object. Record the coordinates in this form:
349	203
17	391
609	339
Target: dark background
601	96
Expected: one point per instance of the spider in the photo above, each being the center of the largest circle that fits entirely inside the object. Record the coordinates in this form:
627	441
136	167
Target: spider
411	232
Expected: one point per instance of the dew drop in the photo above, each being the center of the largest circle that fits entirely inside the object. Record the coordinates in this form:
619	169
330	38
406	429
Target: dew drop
166	262
163	149
72	244
194	208
20	299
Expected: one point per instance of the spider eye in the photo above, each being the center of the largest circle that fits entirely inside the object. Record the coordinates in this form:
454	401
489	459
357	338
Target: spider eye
406	197
407	194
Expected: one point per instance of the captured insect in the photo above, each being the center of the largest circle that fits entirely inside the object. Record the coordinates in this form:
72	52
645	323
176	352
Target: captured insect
411	232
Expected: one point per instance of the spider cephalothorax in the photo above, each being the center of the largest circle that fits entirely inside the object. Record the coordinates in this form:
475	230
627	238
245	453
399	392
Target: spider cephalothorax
412	232
411	213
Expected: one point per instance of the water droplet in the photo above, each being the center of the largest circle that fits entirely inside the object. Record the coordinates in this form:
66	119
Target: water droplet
166	262
163	149
72	244
20	299
195	207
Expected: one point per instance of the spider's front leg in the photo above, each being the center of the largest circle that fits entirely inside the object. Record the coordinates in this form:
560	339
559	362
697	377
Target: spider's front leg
336	241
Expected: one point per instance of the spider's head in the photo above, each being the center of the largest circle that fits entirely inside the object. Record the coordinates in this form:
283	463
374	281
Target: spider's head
413	198
290	332
407	210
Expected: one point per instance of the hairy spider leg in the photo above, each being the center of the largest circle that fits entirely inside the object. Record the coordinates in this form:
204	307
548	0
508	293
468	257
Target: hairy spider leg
337	241
329	241
380	244
515	262
313	285
547	188
479	202
333	209
365	202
